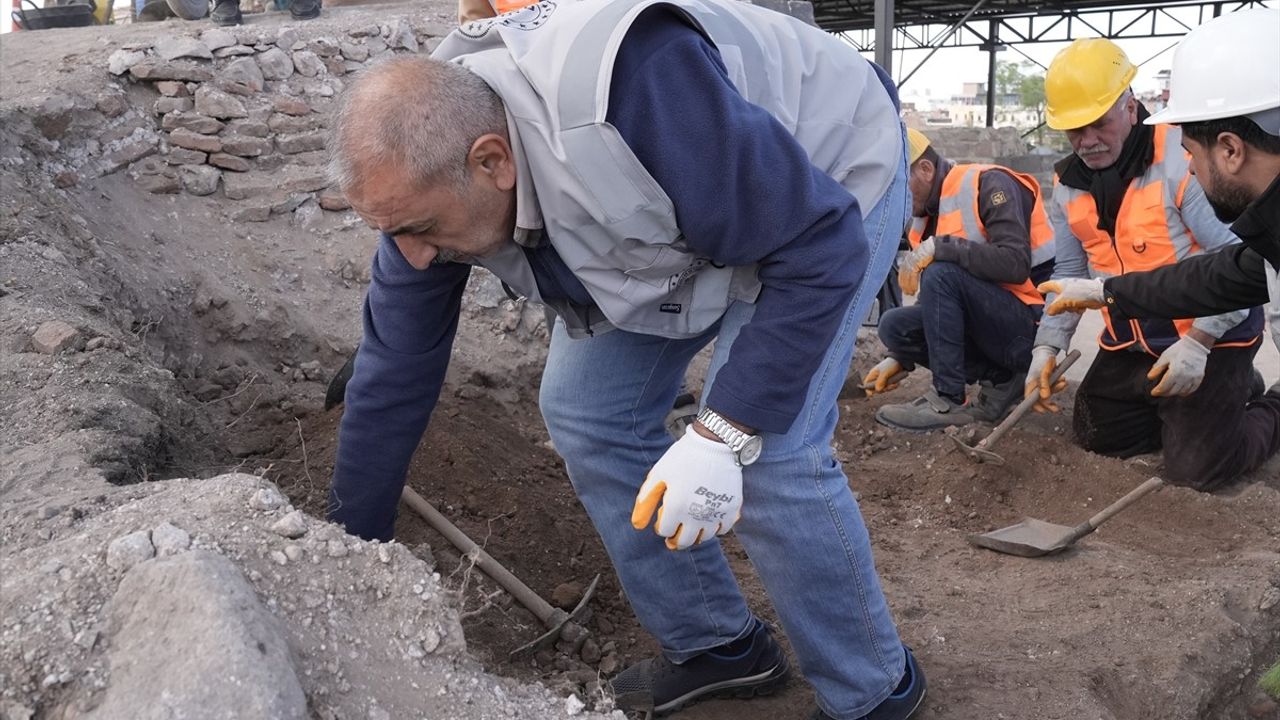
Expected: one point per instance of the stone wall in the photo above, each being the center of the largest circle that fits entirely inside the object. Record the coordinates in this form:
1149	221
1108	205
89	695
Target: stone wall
241	113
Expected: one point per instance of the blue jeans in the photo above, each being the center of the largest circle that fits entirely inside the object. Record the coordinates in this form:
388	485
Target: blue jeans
604	399
963	329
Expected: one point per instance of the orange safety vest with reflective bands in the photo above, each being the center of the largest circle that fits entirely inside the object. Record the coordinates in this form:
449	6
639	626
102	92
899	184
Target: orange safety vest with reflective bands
958	217
1150	233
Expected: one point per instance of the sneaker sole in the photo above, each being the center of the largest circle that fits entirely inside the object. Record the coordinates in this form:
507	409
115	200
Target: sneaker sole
306	16
766	683
920	431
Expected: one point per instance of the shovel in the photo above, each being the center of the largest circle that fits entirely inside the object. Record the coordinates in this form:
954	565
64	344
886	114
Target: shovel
982	451
1033	538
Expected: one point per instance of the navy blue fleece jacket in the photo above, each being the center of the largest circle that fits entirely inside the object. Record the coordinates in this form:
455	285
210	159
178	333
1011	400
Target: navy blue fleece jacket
744	193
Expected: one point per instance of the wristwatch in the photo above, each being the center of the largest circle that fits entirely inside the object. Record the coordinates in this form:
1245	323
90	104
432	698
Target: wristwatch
746	448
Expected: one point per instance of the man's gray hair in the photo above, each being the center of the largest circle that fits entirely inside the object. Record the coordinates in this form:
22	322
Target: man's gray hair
415	113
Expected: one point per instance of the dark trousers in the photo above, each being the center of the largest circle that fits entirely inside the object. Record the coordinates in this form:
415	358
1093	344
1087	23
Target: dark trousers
963	329
1209	437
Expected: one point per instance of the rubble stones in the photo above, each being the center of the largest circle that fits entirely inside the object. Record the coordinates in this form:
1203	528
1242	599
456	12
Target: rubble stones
195	141
54	336
293	525
200	180
290	124
172	88
266	500
233	51
290	105
217	38
173	104
185	71
169	539
122	60
245	146
403	37
229	162
112	105
183	156
287	38
182	47
126	551
160	184
308	64
251	128
218	104
333	199
241	76
304	142
191	121
275	64
244	667
352	51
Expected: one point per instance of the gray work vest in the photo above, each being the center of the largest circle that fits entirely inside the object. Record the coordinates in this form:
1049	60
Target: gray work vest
615	229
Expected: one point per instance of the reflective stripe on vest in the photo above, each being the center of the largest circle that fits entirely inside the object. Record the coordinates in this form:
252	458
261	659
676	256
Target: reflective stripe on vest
1149	234
958	216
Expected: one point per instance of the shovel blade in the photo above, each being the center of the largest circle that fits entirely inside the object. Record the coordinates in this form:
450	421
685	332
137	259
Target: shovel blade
1029	538
977	454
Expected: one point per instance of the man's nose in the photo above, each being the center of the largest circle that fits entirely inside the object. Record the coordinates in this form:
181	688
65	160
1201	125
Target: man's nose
418	254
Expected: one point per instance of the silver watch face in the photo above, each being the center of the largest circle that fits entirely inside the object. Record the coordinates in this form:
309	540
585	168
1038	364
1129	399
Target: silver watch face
750	452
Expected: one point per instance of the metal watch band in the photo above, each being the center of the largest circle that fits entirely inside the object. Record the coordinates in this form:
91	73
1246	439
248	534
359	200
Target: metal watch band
732	436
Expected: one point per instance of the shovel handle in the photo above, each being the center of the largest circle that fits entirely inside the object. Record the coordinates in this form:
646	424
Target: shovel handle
1105	513
521	592
1027	402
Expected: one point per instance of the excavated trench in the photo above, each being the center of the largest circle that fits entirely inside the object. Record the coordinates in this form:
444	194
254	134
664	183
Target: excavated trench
208	324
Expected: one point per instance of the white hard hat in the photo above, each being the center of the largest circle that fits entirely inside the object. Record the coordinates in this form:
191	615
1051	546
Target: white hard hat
1228	67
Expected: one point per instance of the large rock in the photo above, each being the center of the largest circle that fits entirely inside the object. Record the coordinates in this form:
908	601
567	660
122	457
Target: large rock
307	63
54	336
157	70
182	47
191	121
191	640
200	179
289	179
195	141
215	103
245	146
241	76
122	60
303	142
275	64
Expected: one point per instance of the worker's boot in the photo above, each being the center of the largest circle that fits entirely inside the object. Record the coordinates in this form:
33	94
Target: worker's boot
902	703
931	411
304	9
994	401
226	12
749	666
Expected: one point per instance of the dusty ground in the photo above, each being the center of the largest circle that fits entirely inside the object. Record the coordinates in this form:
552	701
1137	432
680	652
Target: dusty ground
219	337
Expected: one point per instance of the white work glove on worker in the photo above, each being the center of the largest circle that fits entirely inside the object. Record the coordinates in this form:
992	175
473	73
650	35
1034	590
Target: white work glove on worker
1180	369
885	376
1073	295
1044	360
914	263
699	483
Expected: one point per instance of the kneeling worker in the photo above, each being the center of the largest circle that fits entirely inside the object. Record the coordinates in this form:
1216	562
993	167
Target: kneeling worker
980	240
1125	201
1225	96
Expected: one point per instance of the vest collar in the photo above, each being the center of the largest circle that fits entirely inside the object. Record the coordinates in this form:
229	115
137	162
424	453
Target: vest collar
529	225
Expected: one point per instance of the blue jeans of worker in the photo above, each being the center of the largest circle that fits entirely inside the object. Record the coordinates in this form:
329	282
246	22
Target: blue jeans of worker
964	329
604	399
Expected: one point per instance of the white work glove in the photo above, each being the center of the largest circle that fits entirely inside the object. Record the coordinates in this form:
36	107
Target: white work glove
1044	360
885	376
1073	295
1182	368
914	263
699	484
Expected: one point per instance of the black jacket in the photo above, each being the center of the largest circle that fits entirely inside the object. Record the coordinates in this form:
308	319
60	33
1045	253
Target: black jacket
1231	279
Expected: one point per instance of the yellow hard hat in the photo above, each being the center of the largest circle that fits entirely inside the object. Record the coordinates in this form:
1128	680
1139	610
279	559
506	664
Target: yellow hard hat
1084	80
917	143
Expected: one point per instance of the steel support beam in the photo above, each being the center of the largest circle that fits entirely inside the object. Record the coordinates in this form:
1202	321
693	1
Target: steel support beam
992	49
884	35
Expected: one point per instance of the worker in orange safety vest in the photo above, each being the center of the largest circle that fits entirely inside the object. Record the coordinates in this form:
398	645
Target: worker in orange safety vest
1126	201
980	239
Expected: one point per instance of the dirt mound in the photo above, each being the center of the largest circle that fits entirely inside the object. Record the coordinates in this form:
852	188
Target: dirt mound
149	331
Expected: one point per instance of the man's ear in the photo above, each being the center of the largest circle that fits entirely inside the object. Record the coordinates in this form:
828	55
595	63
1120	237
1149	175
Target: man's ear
926	169
1231	152
490	159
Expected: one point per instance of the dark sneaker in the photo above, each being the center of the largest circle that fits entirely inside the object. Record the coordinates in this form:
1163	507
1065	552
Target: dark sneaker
304	9
931	411
995	401
658	686
903	703
226	12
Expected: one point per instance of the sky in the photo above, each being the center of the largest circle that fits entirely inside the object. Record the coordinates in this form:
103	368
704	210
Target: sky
945	73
